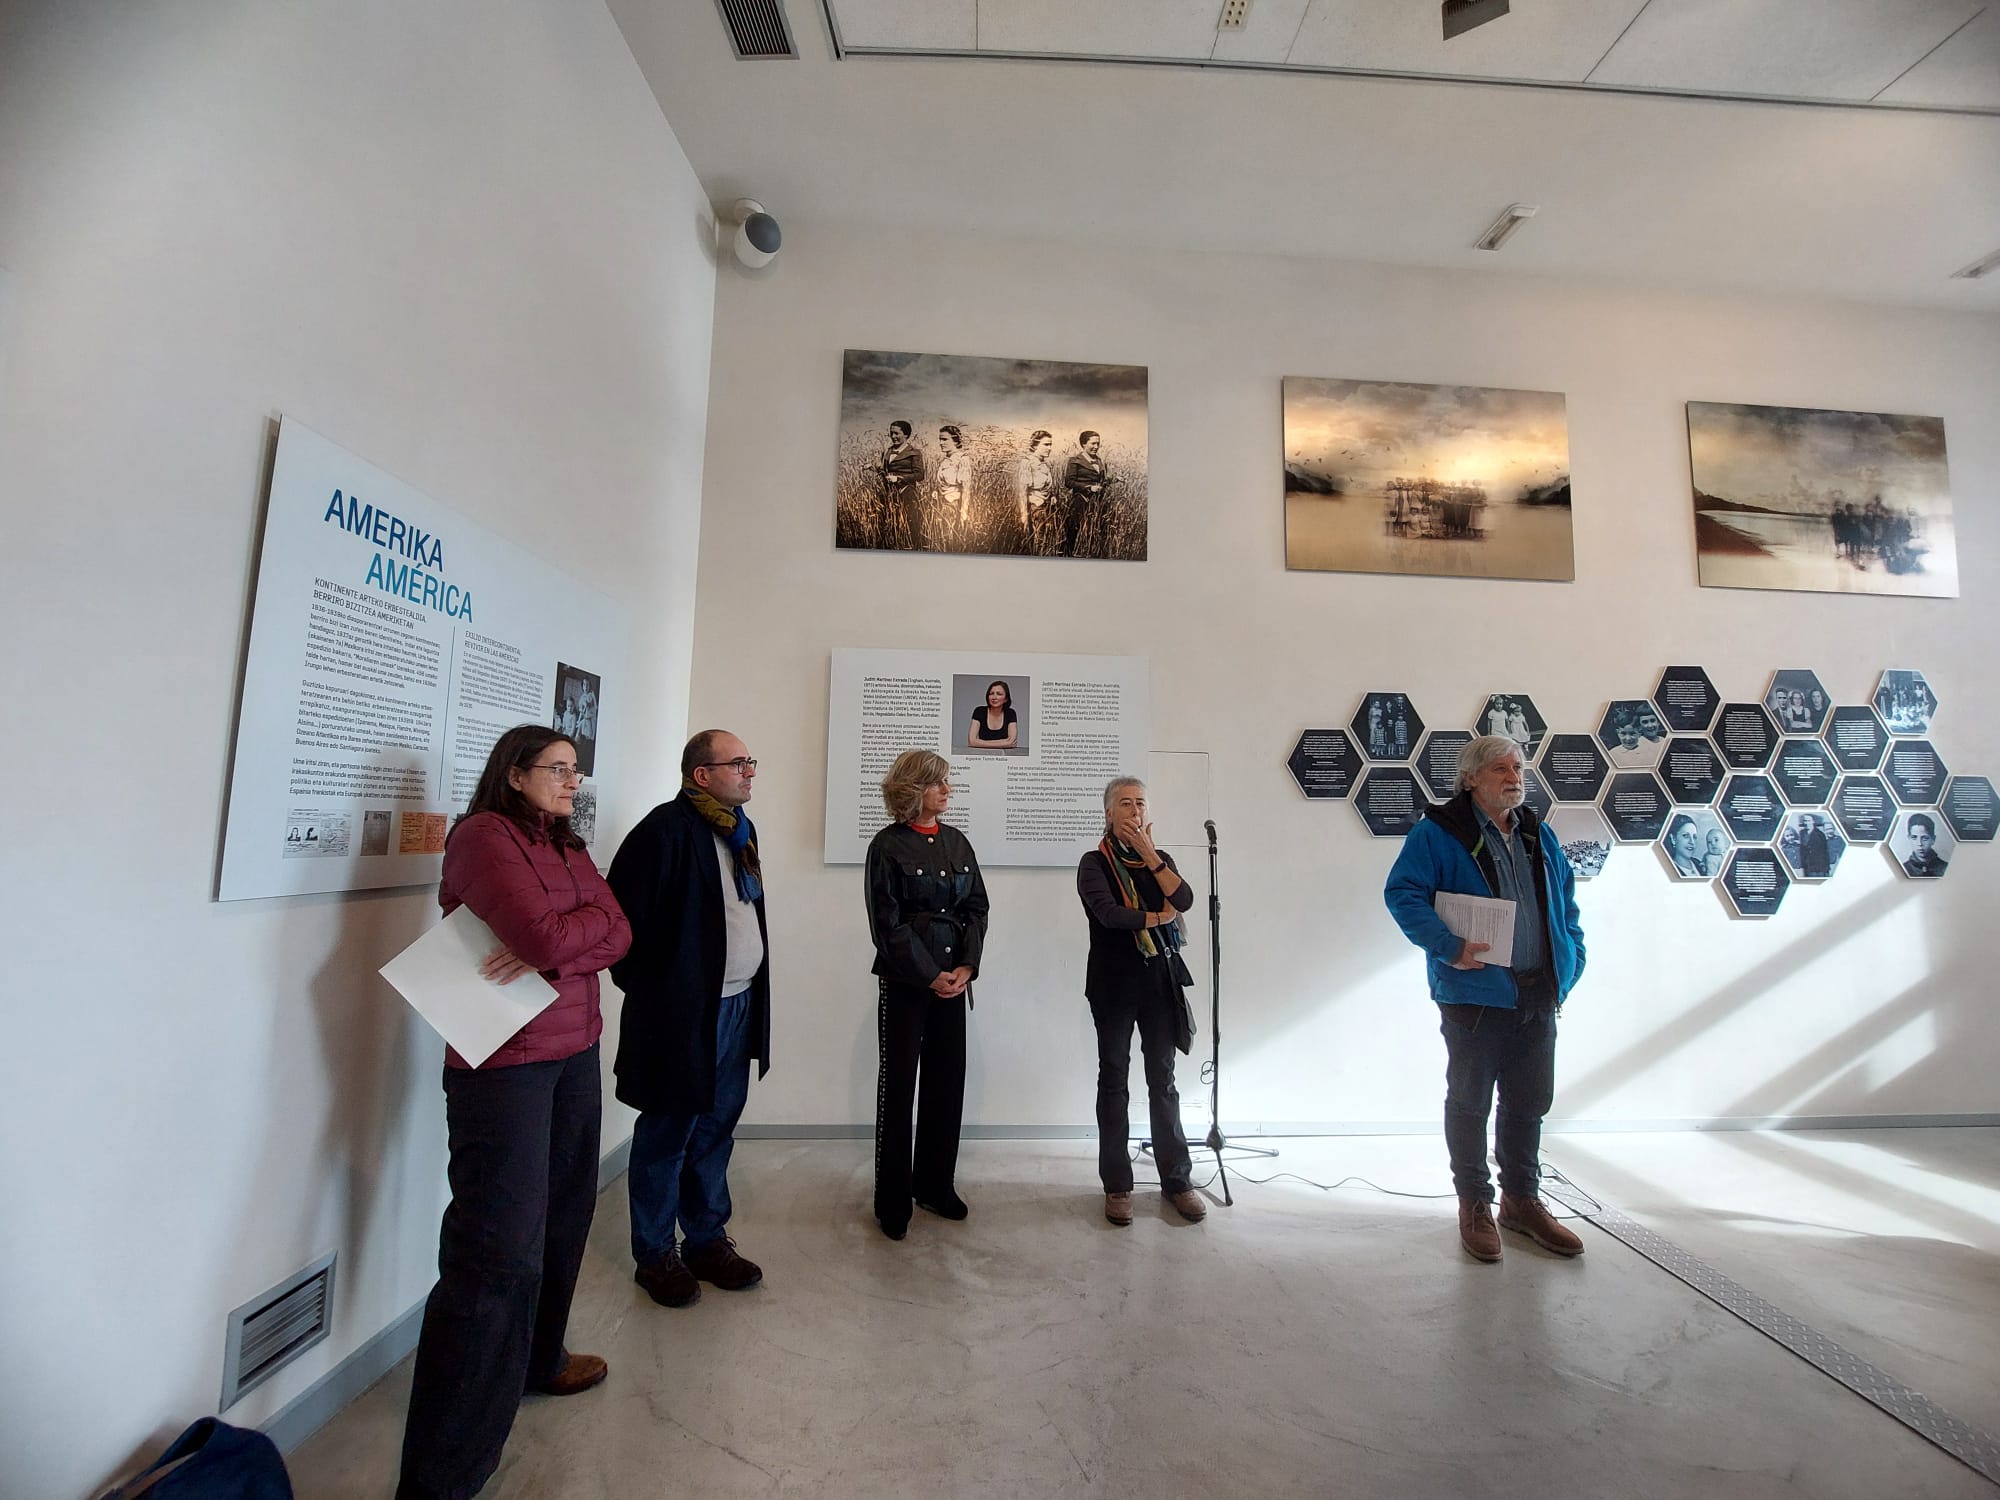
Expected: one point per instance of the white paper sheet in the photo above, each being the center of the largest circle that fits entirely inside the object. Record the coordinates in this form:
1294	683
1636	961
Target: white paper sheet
439	975
1480	919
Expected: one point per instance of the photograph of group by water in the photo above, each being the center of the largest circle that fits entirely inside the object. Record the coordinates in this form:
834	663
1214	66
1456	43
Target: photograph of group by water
1465	481
957	453
1843	502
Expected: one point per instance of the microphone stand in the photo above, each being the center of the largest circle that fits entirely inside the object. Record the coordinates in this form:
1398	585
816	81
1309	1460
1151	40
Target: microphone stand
1217	1141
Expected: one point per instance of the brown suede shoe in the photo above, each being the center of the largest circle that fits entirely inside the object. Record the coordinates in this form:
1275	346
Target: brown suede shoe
1476	1231
579	1373
1530	1216
1187	1203
668	1281
1118	1209
719	1265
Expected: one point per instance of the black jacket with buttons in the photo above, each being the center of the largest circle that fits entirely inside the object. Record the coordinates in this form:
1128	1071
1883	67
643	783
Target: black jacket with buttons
926	904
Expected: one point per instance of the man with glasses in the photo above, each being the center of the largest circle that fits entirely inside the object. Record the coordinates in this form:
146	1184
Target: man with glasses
697	985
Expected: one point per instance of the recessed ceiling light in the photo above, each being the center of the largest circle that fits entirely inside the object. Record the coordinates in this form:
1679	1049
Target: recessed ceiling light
1978	268
1511	218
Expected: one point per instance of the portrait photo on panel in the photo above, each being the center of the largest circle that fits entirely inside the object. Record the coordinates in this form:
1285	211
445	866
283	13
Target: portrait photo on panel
575	715
989	715
1384	476
1922	844
966	454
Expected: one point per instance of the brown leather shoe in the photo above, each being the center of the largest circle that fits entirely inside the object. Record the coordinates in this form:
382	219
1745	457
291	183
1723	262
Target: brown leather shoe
1118	1209
1187	1203
1530	1216
719	1265
668	1281
1476	1231
579	1373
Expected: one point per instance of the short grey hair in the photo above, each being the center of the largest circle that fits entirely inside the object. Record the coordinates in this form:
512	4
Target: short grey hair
1482	753
1117	784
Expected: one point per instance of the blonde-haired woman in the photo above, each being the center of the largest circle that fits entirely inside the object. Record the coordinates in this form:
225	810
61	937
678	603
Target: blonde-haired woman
927	915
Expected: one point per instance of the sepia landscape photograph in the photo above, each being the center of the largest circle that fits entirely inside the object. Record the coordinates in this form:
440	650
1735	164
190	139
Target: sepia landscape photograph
964	454
1846	502
1457	480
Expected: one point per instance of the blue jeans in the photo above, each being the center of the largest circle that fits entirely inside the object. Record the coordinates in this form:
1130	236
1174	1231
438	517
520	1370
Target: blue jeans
1515	1052
680	1163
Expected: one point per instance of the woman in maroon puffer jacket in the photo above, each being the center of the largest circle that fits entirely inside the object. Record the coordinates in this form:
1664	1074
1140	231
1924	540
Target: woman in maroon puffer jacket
523	1125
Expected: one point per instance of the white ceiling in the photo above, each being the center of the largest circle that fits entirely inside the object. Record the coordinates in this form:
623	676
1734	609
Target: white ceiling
1872	204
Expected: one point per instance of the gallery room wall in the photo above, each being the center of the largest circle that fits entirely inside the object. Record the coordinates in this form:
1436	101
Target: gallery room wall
459	240
1863	997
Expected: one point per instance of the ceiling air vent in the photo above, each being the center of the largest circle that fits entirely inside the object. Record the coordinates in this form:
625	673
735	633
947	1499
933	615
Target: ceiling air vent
757	28
269	1332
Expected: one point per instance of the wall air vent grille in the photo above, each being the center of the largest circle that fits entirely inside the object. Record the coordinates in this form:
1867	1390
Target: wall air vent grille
757	28
269	1332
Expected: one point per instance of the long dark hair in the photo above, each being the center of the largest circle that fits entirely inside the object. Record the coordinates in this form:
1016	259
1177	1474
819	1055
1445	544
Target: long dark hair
518	749
1000	683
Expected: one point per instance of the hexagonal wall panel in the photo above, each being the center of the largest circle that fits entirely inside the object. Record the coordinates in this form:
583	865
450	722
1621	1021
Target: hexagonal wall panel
1905	701
1324	763
1573	767
1797	701
1437	761
1686	699
1636	806
1752	808
1390	800
1745	735
1386	726
1971	808
1691	769
1631	734
1812	844
1856	737
1696	844
1514	715
1922	844
1755	882
1864	808
1913	769
1535	792
1805	772
1585	836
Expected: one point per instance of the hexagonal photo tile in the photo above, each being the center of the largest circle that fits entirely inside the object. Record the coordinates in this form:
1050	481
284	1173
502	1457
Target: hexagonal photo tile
1755	882
1437	761
1631	734
1324	763
1805	772
1905	701
1856	737
1514	715
1636	806
1390	801
1745	735
1686	699
1386	726
1864	808
1912	767
1921	844
1971	808
1535	792
1691	769
1585	835
1573	767
1752	808
1695	843
1811	843
1797	701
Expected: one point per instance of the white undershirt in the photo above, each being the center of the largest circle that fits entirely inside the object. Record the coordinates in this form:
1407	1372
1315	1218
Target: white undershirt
743	954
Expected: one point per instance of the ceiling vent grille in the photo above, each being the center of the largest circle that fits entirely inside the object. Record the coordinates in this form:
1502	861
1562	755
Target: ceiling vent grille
757	28
269	1332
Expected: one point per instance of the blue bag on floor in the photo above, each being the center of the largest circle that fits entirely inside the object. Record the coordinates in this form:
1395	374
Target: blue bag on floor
212	1461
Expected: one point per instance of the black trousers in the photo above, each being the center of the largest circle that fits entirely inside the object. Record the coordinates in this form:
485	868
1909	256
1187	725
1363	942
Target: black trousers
922	1042
523	1186
1151	1008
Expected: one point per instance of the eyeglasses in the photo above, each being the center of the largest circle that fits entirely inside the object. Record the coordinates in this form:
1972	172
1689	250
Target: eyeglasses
562	770
743	765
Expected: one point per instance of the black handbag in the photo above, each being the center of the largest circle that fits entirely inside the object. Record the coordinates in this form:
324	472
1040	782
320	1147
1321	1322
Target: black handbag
1184	1017
211	1461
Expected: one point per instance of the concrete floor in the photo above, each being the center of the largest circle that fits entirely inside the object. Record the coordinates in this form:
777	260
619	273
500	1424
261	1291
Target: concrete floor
1301	1343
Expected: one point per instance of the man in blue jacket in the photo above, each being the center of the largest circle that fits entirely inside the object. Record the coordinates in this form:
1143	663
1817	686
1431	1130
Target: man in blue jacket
1499	1023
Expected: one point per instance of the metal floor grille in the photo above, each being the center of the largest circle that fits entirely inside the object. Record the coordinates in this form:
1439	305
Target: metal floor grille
1978	1450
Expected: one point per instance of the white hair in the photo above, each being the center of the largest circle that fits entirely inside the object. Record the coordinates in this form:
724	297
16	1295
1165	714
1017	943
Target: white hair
1482	753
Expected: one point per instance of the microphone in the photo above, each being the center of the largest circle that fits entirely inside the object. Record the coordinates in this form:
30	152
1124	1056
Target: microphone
1209	824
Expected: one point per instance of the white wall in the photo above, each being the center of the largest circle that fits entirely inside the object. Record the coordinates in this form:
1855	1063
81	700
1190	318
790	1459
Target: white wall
1866	996
459	239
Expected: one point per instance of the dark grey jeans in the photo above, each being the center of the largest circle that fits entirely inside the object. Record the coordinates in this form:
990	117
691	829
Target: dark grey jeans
1513	1052
1152	1013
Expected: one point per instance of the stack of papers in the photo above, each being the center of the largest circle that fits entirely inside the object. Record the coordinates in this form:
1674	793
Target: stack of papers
439	975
